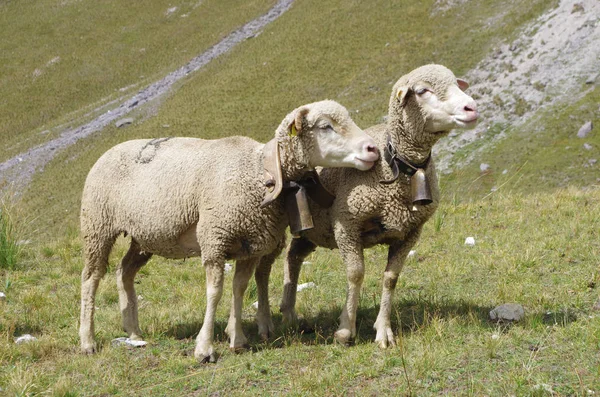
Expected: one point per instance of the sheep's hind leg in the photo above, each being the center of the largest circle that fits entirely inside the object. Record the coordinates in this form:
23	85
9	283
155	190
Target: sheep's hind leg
96	262
396	255
352	255
130	265
243	272
298	249
204	351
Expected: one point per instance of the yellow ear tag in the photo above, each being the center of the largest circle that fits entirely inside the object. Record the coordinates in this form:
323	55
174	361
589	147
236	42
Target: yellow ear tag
293	131
399	94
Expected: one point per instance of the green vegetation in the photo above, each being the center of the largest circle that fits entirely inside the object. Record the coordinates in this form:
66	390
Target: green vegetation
536	227
9	250
62	59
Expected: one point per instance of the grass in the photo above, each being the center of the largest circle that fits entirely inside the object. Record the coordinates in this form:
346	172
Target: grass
61	59
9	248
539	250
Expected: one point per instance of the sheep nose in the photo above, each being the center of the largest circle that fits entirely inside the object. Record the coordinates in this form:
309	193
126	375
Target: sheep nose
470	107
371	148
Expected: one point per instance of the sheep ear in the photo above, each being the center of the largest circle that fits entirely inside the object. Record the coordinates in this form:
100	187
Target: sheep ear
296	125
402	95
462	84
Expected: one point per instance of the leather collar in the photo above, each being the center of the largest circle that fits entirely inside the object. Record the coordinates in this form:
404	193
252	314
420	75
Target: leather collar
399	164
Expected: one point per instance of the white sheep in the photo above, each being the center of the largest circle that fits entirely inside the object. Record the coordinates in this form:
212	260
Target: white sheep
185	197
424	106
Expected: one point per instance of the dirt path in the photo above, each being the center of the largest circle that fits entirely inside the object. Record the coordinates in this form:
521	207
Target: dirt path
19	170
547	65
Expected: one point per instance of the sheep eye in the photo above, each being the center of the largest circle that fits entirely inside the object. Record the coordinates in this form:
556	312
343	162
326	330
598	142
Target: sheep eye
421	91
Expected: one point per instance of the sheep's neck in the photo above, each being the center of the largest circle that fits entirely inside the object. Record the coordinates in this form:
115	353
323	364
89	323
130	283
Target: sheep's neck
414	152
293	165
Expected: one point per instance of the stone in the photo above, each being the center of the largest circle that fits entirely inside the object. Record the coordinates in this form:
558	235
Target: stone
591	79
124	122
304	286
585	130
507	312
2	296
587	146
470	241
483	167
25	339
228	267
123	341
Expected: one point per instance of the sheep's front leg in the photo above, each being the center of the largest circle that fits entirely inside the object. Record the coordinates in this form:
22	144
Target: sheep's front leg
126	271
397	253
352	255
243	272
298	249
214	289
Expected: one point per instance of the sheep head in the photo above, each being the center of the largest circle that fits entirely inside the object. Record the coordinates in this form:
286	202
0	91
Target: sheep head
322	134
429	102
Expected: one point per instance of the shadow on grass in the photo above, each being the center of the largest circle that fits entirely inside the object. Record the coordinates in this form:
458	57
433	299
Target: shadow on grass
409	315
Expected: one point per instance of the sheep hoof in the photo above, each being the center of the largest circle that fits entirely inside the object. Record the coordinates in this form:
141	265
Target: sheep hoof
240	349
344	337
212	358
88	349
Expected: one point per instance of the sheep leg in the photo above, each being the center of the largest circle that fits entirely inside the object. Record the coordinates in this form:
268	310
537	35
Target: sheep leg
96	262
126	271
243	272
204	351
397	253
298	249
261	276
352	255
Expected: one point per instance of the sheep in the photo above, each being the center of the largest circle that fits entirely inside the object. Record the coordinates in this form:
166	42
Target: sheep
424	106
217	199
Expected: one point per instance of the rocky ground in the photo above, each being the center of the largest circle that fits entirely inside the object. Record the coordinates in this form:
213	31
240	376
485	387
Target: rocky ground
545	66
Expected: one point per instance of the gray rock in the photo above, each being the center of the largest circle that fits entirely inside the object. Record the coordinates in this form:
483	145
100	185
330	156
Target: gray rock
25	339
123	341
483	167
507	312
587	146
124	122
591	79
585	130
2	296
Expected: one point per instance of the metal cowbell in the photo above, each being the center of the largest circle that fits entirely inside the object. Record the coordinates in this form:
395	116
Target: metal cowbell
296	203
420	189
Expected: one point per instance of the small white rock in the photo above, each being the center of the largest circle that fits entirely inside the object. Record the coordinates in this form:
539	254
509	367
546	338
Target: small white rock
504	172
587	146
301	287
495	336
2	296
483	167
228	267
25	339
255	305
123	341
307	263
412	253
470	241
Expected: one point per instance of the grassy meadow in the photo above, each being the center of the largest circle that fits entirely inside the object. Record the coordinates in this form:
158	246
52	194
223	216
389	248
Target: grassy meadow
536	226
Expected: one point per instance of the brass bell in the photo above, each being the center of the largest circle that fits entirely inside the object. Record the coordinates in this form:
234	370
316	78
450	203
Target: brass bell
419	187
296	203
